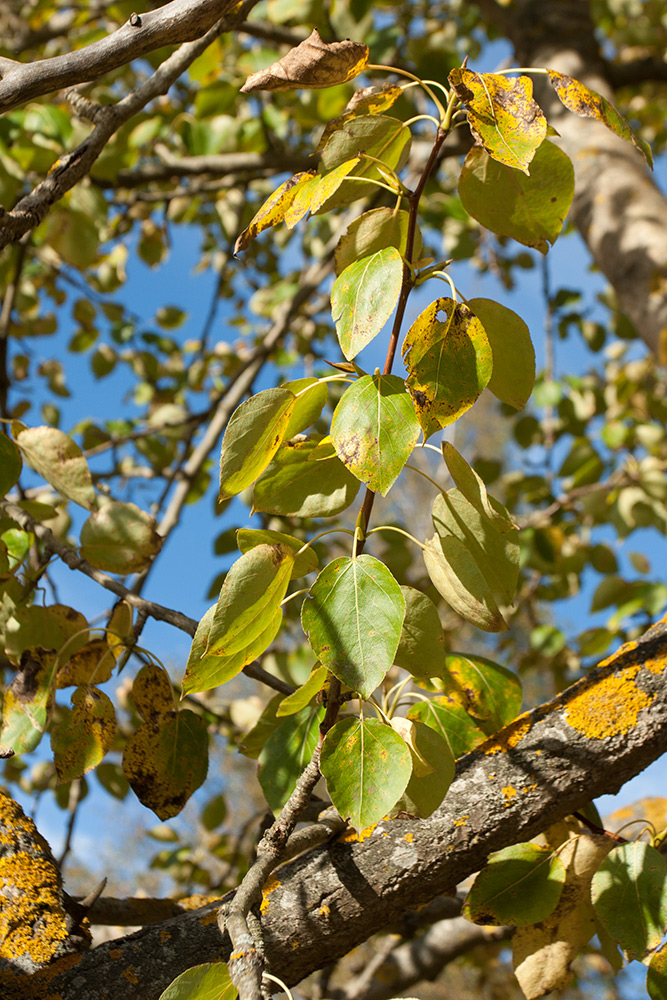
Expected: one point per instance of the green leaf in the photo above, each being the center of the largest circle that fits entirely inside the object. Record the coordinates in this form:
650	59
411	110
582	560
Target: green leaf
457	577
589	104
374	430
202	982
531	209
492	543
305	479
513	373
308	406
120	538
352	616
58	460
274	209
432	766
250	538
166	760
502	115
449	362
254	433
367	767
249	598
520	885
205	671
364	297
380	136
304	695
251	744
286	753
629	893
420	647
373	231
490	694
656	977
84	735
28	702
10	463
472	488
451	721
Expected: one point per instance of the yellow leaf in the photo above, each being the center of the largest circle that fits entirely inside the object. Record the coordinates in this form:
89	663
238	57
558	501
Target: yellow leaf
310	65
275	209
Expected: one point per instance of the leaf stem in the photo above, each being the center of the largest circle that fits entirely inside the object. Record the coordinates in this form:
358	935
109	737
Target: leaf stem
424	474
410	76
400	531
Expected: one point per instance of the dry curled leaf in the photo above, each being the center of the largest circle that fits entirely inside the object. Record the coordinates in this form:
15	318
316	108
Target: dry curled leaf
312	64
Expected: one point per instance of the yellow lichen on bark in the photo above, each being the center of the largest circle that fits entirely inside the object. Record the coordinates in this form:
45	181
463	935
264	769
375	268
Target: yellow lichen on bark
508	737
608	707
32	920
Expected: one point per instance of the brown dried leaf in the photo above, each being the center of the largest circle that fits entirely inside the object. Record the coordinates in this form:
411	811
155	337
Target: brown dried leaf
312	64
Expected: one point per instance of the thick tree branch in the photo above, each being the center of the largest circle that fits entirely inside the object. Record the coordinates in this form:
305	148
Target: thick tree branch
628	74
587	742
175	22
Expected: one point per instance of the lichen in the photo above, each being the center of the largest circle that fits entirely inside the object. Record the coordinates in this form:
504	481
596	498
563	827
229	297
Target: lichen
608	707
269	887
509	794
351	836
462	821
33	922
508	737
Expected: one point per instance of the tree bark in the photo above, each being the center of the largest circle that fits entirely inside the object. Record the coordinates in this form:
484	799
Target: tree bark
587	742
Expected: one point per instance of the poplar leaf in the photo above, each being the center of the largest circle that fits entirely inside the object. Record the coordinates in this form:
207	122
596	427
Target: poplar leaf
311	65
451	721
205	671
379	136
374	430
286	753
629	893
28	702
120	538
364	297
589	104
83	737
420	648
328	183
92	664
307	405
275	208
491	694
303	695
253	435
210	981
520	885
373	231
502	115
249	598
59	460
166	760
432	768
369	101
457	577
449	360
367	767
250	538
10	463
305	479
513	374
656	977
352	617
531	209
472	488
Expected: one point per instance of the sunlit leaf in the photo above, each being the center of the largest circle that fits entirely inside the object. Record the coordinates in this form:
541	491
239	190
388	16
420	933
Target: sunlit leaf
374	430
205	671
367	767
120	538
84	735
59	460
307	406
451	721
379	136
373	231
449	360
202	982
629	893
275	208
311	64
520	885
304	695
253	435
352	617
250	538
530	209
588	104
286	753
491	694
305	479
502	115
364	297
513	374
656	977
28	702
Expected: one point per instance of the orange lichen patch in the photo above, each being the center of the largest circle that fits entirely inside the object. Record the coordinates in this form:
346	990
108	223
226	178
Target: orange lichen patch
270	887
462	820
655	664
164	936
130	975
196	901
509	794
409	837
608	707
115	953
627	647
491	775
508	737
209	918
351	836
323	911
537	753
33	921
294	945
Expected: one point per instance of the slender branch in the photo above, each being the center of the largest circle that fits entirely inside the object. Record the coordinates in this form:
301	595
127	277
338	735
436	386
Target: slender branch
214	165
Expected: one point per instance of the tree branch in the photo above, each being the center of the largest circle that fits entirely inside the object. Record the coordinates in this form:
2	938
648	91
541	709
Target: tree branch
587	742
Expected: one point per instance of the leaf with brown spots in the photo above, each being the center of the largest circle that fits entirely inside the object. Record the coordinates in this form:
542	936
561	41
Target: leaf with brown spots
589	104
491	694
502	115
92	664
276	207
28	702
305	479
84	735
449	360
253	435
120	538
152	692
374	430
59	460
166	760
311	65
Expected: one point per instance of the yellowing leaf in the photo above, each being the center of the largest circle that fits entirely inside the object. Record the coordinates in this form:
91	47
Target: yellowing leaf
253	435
305	479
589	104
372	231
502	115
275	209
310	65
120	538
28	702
457	577
364	297
92	664
208	670
85	734
59	460
203	982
